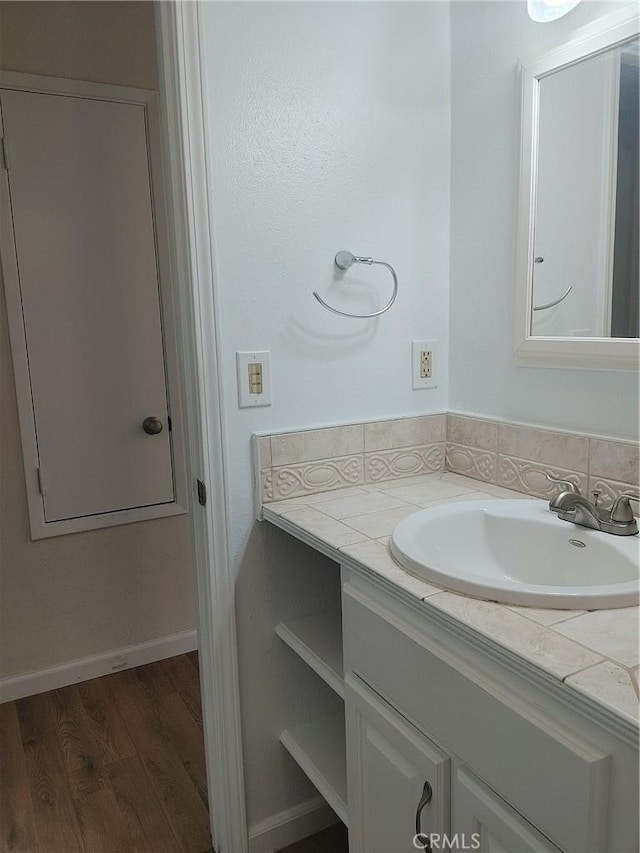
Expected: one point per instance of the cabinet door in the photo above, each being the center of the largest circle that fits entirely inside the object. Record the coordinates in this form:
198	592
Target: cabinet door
84	232
484	822
391	769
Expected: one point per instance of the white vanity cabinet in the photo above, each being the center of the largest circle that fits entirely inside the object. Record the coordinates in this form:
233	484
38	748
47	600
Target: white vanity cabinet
513	765
488	824
452	734
398	781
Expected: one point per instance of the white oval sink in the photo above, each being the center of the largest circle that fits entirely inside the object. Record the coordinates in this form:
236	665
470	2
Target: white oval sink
518	552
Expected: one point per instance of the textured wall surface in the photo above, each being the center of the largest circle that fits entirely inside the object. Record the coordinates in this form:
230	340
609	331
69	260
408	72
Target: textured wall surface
72	596
327	131
487	40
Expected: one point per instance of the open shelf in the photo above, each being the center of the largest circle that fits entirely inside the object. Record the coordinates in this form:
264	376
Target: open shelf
317	639
319	749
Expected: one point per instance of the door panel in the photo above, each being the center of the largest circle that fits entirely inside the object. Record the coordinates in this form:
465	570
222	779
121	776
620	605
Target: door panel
84	232
388	763
488	824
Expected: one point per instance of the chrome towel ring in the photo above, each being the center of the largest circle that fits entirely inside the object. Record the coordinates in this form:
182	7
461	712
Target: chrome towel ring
555	301
343	261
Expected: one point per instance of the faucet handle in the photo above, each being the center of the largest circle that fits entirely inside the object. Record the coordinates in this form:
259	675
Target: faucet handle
621	510
569	486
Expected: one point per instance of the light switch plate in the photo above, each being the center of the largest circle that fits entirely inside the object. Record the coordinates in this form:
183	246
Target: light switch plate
248	373
424	353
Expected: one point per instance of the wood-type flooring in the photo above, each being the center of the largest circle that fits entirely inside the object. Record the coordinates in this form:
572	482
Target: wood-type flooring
114	765
111	765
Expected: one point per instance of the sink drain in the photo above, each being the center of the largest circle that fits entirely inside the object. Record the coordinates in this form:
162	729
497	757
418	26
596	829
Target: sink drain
577	542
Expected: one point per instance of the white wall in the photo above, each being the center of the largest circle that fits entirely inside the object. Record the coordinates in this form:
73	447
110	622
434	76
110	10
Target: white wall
89	593
328	130
487	39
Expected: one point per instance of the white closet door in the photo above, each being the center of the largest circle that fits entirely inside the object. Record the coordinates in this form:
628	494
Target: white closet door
83	226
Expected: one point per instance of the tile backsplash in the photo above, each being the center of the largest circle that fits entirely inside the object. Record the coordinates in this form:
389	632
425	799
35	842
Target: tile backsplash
301	463
521	456
514	456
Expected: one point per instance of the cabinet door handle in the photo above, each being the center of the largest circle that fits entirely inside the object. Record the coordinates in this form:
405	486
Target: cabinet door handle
427	794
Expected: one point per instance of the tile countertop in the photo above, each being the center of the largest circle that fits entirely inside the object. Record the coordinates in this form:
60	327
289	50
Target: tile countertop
595	653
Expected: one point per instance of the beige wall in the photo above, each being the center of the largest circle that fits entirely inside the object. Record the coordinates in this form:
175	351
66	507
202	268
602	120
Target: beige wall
105	42
82	594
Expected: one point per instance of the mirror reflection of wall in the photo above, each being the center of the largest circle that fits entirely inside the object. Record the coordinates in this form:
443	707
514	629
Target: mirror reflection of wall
586	214
625	309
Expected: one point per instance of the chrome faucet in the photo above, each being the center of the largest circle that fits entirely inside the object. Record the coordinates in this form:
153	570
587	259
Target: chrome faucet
570	505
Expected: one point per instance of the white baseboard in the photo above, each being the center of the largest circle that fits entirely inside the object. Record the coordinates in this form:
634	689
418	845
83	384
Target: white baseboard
18	686
290	826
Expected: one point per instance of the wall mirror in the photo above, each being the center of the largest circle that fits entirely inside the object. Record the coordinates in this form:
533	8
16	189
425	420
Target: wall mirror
577	300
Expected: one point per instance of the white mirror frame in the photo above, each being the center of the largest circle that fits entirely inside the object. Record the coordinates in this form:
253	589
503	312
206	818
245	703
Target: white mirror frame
573	352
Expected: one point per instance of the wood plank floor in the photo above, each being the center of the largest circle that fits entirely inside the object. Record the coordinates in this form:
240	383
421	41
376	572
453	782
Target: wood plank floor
112	765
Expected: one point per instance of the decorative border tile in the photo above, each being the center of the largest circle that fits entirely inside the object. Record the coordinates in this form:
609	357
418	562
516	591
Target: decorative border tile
523	475
408	447
320	475
472	462
403	462
610	490
266	481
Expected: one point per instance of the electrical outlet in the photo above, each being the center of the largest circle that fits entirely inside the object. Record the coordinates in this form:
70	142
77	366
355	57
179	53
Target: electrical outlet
254	379
424	364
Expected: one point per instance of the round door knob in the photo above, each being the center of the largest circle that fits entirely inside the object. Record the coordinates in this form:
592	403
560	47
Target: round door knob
152	426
